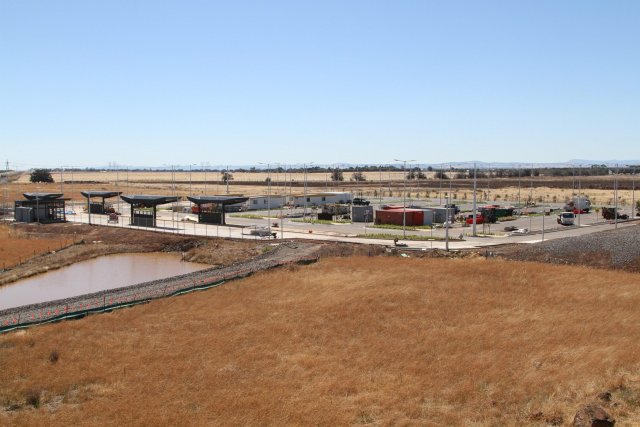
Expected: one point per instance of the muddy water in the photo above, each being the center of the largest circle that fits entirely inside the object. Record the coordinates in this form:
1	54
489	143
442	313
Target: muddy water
107	272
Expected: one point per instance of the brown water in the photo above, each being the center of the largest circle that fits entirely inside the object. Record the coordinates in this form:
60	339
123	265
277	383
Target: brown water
98	274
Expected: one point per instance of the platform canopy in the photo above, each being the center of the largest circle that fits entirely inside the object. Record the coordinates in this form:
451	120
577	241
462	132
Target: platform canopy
42	196
149	201
101	194
219	200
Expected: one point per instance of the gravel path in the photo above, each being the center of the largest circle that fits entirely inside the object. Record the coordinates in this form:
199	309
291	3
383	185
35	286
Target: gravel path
617	249
285	253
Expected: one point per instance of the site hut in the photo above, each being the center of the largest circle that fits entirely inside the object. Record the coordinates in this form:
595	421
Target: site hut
320	199
144	208
40	207
264	202
96	201
441	215
361	213
211	209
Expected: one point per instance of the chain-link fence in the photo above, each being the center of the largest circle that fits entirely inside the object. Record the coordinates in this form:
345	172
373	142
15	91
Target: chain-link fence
82	305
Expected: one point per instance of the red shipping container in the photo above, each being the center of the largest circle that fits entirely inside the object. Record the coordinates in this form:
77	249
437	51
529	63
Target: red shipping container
394	216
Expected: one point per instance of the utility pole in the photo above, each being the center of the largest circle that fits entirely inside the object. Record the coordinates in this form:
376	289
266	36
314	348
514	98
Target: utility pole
474	199
380	195
633	193
579	193
404	197
615	193
268	195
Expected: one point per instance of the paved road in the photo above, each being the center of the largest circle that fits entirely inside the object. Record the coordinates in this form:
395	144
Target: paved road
239	229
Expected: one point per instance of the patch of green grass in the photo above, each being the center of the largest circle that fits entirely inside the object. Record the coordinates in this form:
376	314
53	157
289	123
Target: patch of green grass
390	236
249	216
321	221
399	227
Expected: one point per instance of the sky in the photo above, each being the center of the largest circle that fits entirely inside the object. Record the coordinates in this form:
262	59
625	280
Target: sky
154	83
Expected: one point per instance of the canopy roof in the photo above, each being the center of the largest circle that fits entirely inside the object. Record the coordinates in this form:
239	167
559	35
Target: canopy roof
148	201
221	200
42	196
103	194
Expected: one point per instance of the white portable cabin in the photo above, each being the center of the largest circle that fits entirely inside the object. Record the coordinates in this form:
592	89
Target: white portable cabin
319	199
264	202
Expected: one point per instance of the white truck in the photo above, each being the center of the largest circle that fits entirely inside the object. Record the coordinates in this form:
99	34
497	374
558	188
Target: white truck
578	204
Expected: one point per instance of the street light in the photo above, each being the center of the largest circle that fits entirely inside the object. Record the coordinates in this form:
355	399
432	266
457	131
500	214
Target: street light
404	197
282	200
304	214
268	195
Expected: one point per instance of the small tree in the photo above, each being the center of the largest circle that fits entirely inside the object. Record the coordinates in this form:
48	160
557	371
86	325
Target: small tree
441	175
336	175
41	175
226	176
358	176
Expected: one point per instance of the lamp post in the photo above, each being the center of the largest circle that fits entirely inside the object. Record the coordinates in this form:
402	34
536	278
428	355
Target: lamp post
304	214
205	179
268	195
633	193
474	199
404	196
280	165
616	196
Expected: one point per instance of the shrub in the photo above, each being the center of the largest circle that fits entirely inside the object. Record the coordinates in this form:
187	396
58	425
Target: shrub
41	175
32	397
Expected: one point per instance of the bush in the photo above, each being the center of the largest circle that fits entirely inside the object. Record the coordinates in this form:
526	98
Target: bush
32	397
41	175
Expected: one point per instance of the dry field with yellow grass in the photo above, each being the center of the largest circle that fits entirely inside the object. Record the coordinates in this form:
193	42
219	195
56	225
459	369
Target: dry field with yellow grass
32	246
540	190
16	245
350	341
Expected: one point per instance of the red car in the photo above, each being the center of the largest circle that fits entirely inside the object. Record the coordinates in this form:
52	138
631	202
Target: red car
479	219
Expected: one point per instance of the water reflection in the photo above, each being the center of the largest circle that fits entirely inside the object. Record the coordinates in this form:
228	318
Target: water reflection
94	275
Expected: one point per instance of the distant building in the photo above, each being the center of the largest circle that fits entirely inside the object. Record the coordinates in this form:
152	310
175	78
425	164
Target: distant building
320	199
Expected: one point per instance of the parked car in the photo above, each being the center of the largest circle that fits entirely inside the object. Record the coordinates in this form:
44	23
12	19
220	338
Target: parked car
360	201
566	218
479	219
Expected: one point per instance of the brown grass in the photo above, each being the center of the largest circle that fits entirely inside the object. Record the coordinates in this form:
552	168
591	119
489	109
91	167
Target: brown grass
545	189
345	341
17	246
23	240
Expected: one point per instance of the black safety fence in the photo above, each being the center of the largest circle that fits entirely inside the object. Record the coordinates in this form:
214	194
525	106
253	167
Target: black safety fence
79	306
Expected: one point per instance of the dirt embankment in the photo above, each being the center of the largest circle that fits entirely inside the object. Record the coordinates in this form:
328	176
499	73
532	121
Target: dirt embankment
85	242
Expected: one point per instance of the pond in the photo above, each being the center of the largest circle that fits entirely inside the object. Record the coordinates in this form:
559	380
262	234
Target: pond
98	274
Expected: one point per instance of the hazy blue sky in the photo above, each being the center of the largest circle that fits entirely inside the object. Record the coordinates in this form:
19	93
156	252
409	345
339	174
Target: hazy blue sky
238	82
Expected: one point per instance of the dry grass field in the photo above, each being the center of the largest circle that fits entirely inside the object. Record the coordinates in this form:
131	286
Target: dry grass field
22	242
17	245
544	189
352	341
